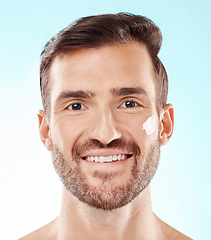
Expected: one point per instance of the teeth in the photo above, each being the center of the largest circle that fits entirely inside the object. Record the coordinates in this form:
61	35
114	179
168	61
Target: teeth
104	159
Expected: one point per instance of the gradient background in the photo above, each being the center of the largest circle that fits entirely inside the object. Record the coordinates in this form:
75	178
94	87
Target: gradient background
30	189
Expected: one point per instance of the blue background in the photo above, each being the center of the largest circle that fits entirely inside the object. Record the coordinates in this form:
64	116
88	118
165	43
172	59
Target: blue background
30	190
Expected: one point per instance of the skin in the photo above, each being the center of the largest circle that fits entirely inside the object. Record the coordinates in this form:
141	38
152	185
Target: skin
105	117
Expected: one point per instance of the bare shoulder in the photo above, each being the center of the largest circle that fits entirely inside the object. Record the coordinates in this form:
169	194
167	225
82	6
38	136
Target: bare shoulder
46	232
170	233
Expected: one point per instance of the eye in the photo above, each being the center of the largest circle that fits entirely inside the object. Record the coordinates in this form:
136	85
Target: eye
76	107
129	104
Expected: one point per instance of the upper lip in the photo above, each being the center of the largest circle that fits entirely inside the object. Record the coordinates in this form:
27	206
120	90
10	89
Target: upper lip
108	152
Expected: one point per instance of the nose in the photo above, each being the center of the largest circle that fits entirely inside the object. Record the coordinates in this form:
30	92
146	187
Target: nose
105	127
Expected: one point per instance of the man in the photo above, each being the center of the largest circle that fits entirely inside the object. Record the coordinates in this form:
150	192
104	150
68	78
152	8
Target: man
105	116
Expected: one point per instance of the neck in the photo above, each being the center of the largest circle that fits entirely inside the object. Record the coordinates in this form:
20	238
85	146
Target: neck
133	221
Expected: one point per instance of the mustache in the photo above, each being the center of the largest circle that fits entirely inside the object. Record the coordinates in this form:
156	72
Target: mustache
120	143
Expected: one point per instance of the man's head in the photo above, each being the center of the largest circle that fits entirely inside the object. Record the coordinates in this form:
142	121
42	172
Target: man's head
106	107
99	31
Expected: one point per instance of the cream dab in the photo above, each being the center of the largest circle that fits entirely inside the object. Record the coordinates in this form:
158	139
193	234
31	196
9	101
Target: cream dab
150	125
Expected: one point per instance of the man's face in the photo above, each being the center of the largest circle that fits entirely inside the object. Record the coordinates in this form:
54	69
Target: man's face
100	102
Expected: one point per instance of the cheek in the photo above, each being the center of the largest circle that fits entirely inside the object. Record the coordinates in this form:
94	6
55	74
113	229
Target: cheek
135	129
149	126
65	133
142	129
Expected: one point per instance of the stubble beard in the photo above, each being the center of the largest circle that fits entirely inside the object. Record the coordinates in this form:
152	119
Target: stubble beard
106	196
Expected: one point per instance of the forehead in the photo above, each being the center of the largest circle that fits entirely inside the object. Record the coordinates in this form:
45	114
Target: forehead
101	69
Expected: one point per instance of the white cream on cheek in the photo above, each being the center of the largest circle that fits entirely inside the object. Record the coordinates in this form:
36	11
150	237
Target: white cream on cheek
150	125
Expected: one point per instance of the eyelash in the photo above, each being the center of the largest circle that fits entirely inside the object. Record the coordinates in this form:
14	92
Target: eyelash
71	105
82	106
132	101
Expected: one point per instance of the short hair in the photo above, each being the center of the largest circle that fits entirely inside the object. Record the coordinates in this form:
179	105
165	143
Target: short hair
100	30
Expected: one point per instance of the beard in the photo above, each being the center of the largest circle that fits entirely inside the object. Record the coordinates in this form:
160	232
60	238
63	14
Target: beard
106	196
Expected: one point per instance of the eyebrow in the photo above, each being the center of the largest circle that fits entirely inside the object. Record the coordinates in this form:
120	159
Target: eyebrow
129	91
88	94
75	94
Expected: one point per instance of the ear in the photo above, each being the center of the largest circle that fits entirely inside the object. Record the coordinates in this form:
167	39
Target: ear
44	129
166	123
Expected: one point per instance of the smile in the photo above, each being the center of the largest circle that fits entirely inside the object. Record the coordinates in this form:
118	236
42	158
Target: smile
105	159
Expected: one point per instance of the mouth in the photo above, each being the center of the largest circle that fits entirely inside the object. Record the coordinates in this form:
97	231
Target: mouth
107	159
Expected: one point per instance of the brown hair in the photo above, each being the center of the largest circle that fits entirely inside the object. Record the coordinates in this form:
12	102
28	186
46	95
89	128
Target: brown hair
97	31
